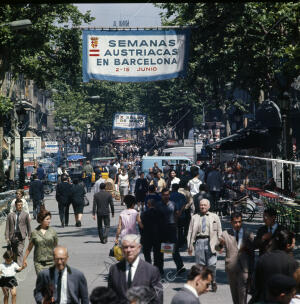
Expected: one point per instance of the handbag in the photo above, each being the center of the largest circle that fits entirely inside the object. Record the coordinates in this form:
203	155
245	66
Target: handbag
86	201
116	252
167	248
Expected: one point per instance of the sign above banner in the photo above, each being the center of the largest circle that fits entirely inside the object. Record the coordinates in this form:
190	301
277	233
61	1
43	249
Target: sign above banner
129	121
135	55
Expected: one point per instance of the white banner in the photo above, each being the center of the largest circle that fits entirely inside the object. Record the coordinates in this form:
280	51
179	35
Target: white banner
130	121
31	147
134	56
51	146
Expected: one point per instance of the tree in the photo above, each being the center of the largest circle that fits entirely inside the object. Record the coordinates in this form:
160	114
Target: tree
42	53
246	43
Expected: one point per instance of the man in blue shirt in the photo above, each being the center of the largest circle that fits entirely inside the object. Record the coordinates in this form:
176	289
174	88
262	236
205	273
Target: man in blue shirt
180	202
40	172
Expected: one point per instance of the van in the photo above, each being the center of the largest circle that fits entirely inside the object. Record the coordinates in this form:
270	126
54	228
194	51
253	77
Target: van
148	162
180	151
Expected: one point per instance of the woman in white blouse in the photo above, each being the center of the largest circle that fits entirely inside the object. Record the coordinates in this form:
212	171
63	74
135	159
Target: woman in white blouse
123	184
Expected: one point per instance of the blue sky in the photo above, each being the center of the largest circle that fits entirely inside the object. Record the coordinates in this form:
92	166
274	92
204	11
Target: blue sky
138	14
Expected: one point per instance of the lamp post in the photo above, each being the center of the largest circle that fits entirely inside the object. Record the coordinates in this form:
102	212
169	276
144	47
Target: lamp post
196	134
65	134
21	111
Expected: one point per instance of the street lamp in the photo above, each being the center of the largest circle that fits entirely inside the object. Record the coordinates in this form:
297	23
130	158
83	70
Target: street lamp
18	24
196	135
66	134
21	111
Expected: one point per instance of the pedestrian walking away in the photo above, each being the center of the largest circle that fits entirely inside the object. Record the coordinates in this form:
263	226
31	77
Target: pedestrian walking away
64	197
131	178
78	194
128	219
151	234
36	192
88	170
168	208
140	190
102	201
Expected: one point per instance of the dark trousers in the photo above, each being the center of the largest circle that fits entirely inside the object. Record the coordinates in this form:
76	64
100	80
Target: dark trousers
215	196
63	210
88	183
148	245
103	219
181	231
36	207
171	237
17	246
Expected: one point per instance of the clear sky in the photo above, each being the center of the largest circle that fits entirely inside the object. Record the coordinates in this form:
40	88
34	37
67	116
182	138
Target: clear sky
138	14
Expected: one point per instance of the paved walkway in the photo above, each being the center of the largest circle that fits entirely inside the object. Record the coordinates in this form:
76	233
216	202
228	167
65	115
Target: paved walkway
91	257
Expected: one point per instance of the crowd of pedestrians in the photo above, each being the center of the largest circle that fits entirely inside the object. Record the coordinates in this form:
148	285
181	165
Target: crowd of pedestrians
165	208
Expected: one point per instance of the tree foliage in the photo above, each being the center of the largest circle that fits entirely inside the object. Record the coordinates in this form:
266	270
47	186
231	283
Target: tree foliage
250	44
46	50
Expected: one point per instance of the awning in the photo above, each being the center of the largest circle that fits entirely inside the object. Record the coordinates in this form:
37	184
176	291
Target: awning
121	141
246	139
75	157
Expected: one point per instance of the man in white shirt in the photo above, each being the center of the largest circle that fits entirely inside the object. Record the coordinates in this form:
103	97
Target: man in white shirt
198	282
133	271
69	286
194	184
99	181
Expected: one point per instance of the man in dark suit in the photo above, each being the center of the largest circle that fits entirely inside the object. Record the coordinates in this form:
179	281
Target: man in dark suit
239	261
102	201
17	228
63	197
61	283
198	282
269	231
36	192
278	260
153	222
132	271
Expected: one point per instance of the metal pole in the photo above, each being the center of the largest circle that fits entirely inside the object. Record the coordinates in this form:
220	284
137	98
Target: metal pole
22	170
195	151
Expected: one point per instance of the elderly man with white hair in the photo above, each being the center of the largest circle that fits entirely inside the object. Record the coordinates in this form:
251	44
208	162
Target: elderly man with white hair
204	232
133	271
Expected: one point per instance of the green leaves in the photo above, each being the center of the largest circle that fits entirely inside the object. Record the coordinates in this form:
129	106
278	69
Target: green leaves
6	105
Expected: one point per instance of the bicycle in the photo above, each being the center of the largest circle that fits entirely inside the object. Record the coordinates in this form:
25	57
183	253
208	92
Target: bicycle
246	207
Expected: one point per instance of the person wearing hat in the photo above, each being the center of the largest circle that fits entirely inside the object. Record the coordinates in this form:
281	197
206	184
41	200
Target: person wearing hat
280	289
